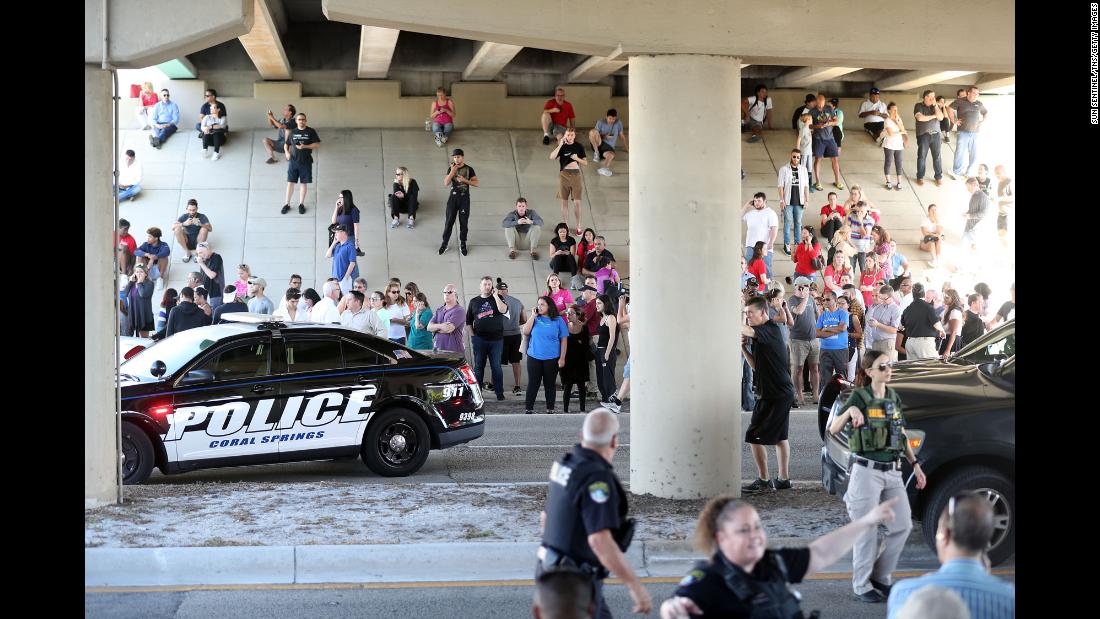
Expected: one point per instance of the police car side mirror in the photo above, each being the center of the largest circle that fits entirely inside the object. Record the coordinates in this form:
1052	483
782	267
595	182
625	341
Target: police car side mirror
197	376
158	369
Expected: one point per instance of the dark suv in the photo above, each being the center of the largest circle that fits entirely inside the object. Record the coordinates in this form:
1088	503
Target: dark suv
961	420
239	393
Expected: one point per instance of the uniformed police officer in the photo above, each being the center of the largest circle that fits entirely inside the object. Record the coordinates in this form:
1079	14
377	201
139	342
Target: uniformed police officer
584	524
745	580
877	441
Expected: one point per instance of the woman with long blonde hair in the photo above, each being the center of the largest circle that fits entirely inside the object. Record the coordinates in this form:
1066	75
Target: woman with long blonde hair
404	198
149	99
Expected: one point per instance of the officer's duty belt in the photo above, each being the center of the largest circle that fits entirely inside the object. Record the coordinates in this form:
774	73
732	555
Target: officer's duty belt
878	466
553	559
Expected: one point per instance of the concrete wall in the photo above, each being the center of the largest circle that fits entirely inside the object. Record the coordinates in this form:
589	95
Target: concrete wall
378	103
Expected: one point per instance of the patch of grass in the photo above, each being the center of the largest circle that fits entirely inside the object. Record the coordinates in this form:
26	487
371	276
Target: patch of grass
472	532
218	541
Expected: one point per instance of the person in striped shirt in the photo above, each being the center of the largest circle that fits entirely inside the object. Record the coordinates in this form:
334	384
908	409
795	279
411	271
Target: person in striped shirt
965	529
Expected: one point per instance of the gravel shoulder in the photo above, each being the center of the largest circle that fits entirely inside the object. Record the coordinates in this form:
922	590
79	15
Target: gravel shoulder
280	514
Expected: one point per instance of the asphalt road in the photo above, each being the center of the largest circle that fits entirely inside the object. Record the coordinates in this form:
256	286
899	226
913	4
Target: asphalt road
515	449
832	597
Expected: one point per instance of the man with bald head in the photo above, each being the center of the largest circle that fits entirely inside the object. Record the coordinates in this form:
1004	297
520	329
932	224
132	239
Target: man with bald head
965	530
585	527
563	594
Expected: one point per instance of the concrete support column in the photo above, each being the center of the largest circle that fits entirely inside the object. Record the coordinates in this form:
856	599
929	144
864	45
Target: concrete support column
100	434
685	237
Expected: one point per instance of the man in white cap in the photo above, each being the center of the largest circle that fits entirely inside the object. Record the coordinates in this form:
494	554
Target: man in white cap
259	304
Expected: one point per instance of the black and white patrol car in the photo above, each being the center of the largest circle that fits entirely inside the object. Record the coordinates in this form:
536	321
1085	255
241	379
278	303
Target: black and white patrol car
259	392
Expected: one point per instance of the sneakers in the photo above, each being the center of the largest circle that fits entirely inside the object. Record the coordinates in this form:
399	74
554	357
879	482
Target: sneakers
270	160
394	223
787	249
946	140
444	138
500	398
550	411
187	258
511	254
206	153
489	386
442	249
871	597
438	141
217	156
285	209
754	138
545	139
613	404
596	156
410	225
811	187
889	186
534	255
528	412
897	187
301	209
950	176
462	248
781	484
603	171
359	252
758	486
517	391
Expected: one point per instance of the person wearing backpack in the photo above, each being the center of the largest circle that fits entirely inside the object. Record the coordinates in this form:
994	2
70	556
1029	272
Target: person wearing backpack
755	111
877	441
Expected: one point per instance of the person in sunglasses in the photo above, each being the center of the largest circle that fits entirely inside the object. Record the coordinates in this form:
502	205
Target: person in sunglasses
877	440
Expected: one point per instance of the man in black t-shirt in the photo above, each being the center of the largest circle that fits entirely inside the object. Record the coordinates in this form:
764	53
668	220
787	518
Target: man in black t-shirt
570	156
973	326
299	147
213	272
485	320
771	416
459	177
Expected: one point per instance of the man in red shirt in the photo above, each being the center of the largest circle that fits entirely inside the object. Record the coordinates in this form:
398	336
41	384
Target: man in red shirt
557	114
125	246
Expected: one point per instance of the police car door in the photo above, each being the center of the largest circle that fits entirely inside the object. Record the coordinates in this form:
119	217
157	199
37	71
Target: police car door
222	404
327	404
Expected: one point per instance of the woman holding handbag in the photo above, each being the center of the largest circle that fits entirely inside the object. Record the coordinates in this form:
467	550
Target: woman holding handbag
893	145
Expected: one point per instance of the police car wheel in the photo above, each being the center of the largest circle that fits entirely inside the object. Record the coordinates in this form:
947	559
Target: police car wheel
397	443
988	483
137	454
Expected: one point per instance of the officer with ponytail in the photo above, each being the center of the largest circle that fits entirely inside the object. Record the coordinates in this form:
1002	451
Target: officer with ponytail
877	442
743	579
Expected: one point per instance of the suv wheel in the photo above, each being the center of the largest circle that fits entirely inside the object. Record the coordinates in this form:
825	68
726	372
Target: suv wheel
137	454
988	483
397	443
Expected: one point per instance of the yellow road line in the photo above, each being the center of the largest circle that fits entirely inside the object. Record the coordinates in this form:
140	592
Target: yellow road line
1010	571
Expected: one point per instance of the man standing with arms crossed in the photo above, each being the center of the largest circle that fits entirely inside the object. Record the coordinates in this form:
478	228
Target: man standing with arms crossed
771	416
584	525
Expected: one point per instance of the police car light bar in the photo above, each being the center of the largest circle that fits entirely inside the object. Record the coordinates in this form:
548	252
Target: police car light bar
262	321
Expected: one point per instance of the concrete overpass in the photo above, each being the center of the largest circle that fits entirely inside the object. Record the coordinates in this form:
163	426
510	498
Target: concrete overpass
683	70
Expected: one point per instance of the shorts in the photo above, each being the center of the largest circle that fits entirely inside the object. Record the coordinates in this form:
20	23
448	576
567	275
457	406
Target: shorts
604	147
569	184
770	420
930	238
509	352
556	129
277	145
803	351
1002	222
752	123
825	148
299	172
626	368
192	240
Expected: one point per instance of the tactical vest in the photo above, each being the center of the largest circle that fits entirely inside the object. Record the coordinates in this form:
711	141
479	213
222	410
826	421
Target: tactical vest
768	599
565	532
882	423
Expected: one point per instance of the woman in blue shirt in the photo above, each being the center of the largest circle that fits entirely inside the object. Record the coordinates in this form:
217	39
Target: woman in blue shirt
419	338
547	335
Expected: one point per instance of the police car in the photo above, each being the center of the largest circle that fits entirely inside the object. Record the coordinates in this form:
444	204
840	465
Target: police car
257	391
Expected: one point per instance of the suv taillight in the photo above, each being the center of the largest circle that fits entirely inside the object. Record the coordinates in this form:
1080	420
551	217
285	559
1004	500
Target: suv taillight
133	351
468	374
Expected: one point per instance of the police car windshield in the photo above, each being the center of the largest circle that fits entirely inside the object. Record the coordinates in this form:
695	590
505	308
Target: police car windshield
990	344
175	351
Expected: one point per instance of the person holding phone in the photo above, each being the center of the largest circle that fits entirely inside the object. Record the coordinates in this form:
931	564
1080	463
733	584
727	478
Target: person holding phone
459	177
191	229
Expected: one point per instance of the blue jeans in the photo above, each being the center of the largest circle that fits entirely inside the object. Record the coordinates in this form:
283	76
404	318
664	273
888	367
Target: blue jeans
126	194
926	142
966	142
162	134
767	258
790	211
492	350
444	129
